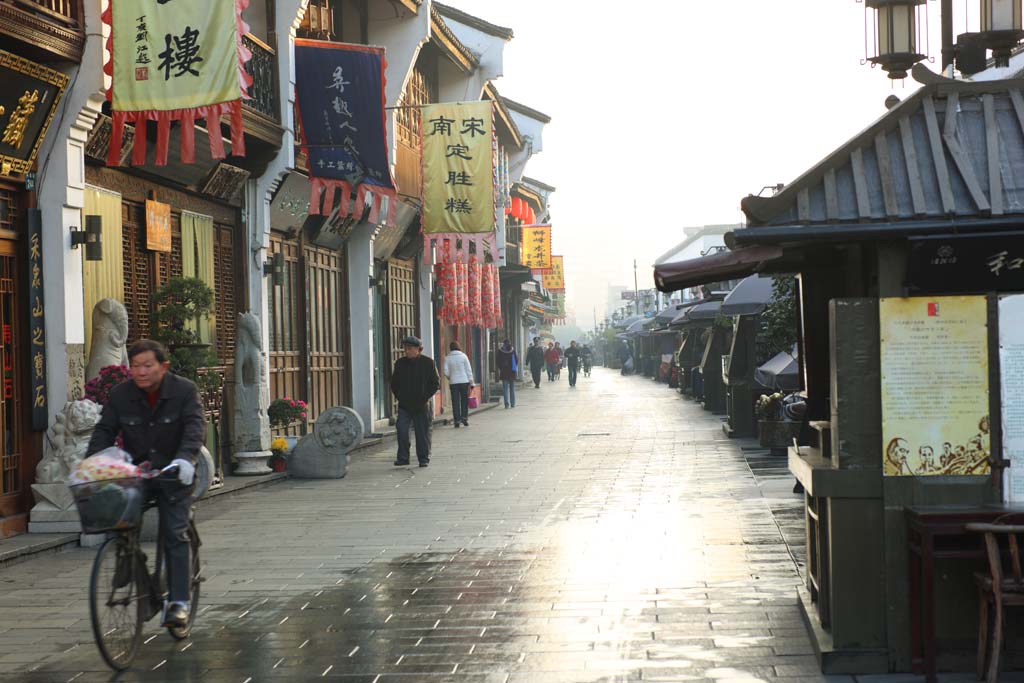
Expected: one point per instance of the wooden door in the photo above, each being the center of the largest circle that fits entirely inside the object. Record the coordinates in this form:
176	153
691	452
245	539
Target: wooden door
326	306
402	309
14	477
287	373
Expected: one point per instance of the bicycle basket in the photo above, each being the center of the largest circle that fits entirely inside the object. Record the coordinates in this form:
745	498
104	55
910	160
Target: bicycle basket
110	505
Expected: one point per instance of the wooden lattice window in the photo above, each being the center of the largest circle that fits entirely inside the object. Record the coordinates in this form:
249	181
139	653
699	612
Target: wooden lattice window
224	269
138	269
9	210
420	90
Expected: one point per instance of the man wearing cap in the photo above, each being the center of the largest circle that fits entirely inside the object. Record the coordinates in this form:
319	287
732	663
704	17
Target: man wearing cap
414	382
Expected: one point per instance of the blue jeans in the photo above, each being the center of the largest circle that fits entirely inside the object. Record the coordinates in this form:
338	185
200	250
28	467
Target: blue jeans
508	387
421	422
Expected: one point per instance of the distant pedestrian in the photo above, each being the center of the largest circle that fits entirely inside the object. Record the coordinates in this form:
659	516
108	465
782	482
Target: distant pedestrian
572	359
460	379
561	360
414	382
535	359
554	360
508	367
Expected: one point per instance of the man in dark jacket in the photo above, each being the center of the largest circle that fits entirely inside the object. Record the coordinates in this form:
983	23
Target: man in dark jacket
160	419
414	382
572	359
535	359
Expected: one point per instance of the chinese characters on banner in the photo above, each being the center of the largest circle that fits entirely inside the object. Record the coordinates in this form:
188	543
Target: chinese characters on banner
934	358
554	280
1011	375
340	93
37	324
27	103
537	247
459	196
176	60
158	226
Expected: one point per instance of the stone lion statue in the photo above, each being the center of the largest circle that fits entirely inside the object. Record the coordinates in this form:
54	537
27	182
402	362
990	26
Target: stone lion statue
67	440
248	352
109	336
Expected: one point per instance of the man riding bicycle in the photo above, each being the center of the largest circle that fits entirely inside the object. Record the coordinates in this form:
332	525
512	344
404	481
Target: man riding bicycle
160	419
587	356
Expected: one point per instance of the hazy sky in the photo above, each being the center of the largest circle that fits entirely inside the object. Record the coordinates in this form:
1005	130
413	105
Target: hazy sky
667	113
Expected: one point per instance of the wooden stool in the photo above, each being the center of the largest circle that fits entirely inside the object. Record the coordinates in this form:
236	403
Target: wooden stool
998	589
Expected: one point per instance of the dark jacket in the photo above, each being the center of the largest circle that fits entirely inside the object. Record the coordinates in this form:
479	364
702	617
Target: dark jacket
175	428
414	381
503	361
572	356
535	358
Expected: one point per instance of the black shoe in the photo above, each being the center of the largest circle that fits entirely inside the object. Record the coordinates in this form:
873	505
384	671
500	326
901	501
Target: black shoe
465	423
400	463
456	425
176	616
424	463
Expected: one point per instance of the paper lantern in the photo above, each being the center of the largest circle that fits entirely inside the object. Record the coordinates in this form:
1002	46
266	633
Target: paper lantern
530	217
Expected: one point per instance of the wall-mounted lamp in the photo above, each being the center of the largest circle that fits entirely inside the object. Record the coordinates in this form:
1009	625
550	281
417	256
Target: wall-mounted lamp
91	237
274	267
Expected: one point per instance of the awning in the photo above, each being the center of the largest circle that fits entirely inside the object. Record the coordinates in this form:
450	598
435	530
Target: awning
728	265
750	297
669	314
514	276
702	312
781	372
626	322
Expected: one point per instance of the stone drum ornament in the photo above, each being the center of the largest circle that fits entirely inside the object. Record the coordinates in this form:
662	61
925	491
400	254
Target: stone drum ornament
251	425
109	336
324	453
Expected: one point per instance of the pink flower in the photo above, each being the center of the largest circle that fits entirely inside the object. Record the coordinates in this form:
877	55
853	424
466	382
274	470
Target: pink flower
302	415
302	404
291	403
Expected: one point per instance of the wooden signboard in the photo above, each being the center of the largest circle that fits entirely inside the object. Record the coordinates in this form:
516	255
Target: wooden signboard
158	226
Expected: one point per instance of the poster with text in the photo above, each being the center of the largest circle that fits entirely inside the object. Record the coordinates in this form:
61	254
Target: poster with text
934	386
1011	376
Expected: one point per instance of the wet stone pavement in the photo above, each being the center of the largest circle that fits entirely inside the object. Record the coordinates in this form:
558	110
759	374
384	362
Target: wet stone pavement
605	533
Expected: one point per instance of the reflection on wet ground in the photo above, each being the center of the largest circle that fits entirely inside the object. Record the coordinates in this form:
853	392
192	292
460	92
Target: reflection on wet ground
610	533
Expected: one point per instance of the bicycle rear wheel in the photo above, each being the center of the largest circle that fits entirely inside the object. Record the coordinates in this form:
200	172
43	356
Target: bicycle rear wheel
182	632
115	603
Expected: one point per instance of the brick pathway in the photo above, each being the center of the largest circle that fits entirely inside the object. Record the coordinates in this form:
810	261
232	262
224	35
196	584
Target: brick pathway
605	533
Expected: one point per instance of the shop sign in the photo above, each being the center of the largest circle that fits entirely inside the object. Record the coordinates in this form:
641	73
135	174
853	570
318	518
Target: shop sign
28	100
934	362
537	247
993	263
340	95
459	149
554	280
158	226
1011	376
37	323
628	295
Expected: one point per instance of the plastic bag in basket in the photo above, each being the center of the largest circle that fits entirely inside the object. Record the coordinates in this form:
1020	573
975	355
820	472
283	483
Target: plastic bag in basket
110	463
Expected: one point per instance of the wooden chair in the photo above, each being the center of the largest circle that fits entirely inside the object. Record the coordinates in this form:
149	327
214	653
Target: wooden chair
997	590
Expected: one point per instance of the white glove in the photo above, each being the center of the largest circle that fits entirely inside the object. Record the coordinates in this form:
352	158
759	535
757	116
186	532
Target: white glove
186	471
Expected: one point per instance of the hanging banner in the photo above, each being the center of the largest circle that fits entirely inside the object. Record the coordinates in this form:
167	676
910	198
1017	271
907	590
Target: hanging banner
554	279
176	61
37	323
1011	374
340	93
459	148
28	101
934	385
537	247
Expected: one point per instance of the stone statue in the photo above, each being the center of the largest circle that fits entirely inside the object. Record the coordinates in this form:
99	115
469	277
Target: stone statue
324	453
251	425
109	336
63	449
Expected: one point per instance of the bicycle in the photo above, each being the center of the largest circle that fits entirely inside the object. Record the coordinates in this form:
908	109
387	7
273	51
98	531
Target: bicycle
123	593
586	367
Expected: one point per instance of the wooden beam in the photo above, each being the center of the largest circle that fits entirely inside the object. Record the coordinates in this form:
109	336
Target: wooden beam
892	207
960	156
995	175
913	170
938	156
860	183
803	205
831	196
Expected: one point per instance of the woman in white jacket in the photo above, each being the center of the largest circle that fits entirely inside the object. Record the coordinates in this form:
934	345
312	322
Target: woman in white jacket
460	378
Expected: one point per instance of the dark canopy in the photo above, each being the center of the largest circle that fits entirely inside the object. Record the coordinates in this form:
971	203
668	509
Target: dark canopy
750	297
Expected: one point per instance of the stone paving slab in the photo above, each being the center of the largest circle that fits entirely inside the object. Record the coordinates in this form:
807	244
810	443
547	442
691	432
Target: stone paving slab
605	533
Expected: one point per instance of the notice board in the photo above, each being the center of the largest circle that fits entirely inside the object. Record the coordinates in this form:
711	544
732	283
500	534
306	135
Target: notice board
1011	376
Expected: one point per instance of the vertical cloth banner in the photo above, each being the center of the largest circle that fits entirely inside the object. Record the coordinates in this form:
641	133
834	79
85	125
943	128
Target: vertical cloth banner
537	247
475	314
554	280
176	61
340	93
459	176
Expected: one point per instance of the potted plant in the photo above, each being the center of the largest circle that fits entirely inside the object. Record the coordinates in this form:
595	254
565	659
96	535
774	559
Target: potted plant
284	412
180	301
279	460
773	430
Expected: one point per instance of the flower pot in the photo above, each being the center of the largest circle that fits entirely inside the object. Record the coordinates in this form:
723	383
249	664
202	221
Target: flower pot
777	433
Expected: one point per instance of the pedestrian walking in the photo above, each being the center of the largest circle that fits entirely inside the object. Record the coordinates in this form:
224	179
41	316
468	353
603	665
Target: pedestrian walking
414	382
508	367
460	379
561	360
553	359
535	359
572	360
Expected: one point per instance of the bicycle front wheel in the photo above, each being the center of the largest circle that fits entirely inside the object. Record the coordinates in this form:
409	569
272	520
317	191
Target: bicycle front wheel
115	603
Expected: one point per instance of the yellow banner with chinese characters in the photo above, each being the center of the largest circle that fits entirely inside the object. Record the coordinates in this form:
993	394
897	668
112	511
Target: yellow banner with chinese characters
554	280
537	247
458	171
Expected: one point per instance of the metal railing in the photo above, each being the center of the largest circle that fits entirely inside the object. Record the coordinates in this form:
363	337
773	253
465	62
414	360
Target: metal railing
263	69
